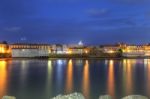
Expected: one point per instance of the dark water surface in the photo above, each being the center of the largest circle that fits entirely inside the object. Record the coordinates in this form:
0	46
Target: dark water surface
43	79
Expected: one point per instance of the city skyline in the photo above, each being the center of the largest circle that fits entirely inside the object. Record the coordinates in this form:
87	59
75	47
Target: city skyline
69	21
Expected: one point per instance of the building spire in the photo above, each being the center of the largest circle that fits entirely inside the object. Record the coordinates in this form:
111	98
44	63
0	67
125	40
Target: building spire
80	43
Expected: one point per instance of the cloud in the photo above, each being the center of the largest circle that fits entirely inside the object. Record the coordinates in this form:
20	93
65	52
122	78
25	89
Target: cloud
98	12
130	1
111	23
14	10
12	29
71	1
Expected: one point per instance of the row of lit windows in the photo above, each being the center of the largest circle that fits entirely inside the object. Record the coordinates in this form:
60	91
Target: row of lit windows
30	46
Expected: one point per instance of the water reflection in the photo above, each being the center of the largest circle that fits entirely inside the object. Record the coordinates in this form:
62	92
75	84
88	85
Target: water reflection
148	77
111	79
117	79
3	78
79	62
129	72
86	80
69	78
49	77
24	71
59	74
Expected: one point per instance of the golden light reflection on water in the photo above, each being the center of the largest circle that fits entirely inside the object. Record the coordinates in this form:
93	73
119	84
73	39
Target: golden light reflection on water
111	79
129	77
69	79
49	77
148	77
128	71
49	72
49	68
3	76
86	80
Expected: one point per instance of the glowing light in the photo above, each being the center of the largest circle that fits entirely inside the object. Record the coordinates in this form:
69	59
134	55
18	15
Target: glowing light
2	50
49	51
110	51
59	62
69	51
86	51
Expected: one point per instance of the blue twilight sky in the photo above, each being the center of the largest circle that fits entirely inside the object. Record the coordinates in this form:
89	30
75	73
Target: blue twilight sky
68	21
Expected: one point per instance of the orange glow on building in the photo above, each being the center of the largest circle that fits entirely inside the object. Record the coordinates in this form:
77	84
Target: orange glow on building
111	79
5	49
69	51
69	78
111	51
3	78
86	80
86	51
2	50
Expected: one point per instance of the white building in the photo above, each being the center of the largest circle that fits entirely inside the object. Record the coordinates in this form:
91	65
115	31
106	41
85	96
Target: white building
30	50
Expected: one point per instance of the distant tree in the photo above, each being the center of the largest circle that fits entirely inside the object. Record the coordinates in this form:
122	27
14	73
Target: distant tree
120	51
4	42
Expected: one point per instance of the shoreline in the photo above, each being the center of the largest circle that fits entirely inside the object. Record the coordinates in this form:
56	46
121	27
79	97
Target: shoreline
84	58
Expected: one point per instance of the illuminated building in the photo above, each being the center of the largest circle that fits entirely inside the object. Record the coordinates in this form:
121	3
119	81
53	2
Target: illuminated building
110	48
30	50
59	49
45	50
136	51
5	50
78	50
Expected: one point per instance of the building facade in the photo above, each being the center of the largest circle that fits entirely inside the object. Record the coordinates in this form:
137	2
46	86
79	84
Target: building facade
30	50
5	50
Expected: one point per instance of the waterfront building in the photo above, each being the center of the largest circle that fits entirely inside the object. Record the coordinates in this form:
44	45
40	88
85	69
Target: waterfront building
110	48
30	50
134	51
59	49
147	50
5	50
45	50
79	48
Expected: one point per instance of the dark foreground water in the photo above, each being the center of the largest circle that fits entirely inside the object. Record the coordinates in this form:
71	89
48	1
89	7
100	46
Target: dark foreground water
43	79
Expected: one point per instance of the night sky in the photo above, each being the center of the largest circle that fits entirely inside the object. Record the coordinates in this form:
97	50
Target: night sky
69	21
